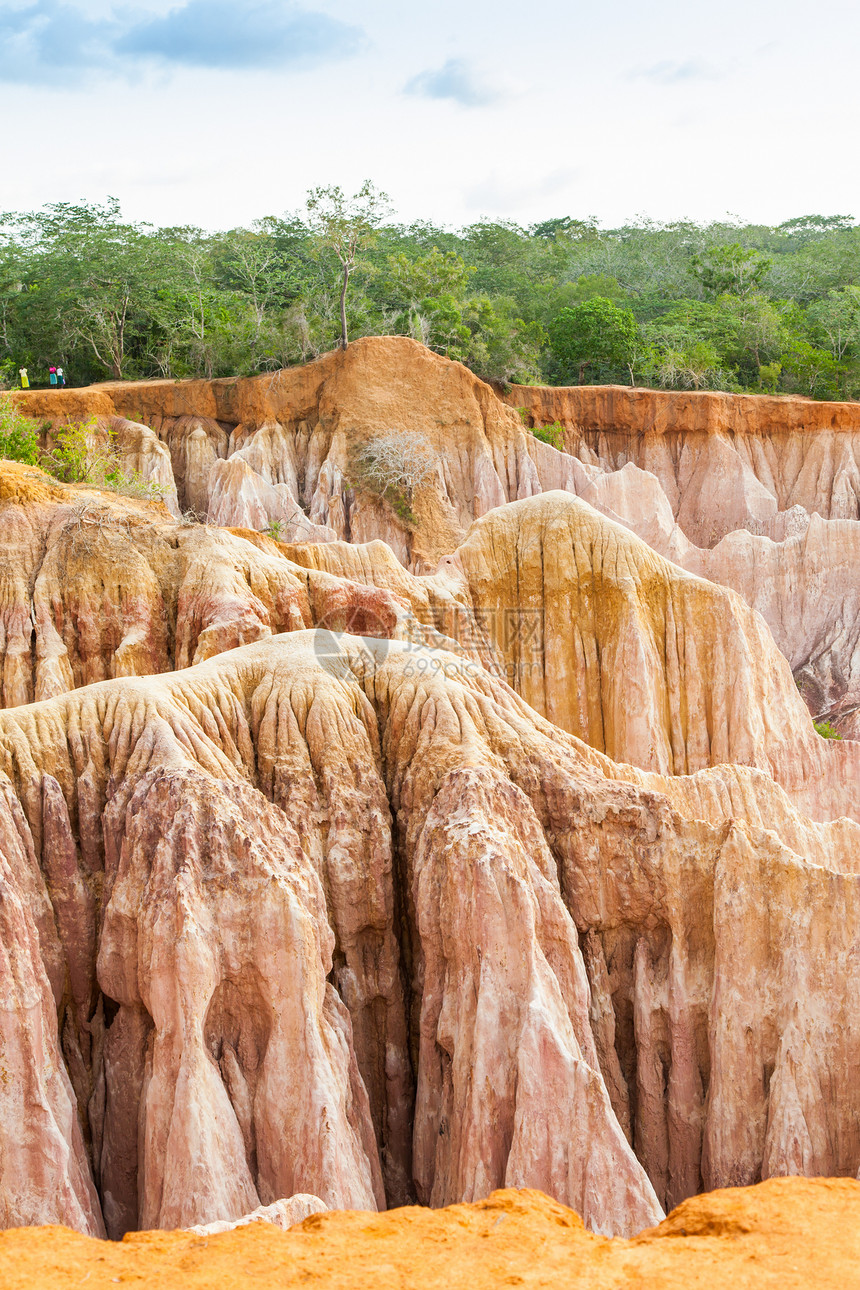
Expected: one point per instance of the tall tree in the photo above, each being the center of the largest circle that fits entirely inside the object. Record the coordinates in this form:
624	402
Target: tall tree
595	332
346	226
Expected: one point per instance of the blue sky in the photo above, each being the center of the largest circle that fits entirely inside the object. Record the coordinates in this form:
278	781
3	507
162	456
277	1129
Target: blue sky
213	113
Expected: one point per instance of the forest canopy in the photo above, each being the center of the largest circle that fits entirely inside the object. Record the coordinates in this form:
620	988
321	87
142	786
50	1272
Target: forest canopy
722	306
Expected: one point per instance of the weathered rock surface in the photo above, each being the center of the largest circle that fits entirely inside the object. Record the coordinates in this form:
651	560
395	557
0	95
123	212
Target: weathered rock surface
726	473
283	1213
695	475
643	661
358	922
94	586
351	917
787	1234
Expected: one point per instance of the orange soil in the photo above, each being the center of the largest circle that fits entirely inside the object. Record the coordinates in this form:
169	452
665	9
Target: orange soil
786	1233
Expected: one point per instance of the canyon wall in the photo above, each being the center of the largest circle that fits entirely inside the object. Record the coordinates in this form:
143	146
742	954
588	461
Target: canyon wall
477	838
757	493
355	925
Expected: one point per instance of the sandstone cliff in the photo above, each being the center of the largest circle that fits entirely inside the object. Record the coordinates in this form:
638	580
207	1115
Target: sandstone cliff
360	923
483	843
611	642
756	493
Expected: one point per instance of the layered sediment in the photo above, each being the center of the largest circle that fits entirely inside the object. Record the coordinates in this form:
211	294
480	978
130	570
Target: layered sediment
757	493
477	839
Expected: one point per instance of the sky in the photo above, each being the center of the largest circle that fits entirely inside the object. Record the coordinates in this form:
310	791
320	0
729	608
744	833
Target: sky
215	113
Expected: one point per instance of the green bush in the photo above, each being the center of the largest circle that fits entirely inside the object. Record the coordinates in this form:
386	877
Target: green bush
552	434
77	457
19	436
72	459
275	530
826	730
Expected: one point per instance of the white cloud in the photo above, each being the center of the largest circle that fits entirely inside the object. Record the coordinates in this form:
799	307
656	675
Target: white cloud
677	72
457	80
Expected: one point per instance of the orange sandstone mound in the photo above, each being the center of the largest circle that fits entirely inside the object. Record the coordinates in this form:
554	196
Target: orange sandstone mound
785	1233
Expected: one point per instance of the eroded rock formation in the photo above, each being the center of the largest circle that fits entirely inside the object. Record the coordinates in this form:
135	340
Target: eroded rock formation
248	837
757	493
483	843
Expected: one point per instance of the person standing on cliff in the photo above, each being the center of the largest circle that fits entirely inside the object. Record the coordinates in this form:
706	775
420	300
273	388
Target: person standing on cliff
52	375
61	378
25	380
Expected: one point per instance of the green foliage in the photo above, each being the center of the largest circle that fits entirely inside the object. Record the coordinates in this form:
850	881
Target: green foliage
768	375
19	436
679	305
275	530
731	270
81	454
552	434
826	730
72	457
595	334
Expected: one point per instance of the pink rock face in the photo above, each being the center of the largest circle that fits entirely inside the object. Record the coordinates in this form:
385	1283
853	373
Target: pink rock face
509	1092
371	927
341	913
45	1174
238	1001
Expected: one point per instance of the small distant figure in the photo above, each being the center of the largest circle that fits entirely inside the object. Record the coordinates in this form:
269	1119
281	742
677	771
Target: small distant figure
52	375
25	380
61	377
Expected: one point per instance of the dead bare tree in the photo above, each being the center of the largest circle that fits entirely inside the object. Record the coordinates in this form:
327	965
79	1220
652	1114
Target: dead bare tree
401	461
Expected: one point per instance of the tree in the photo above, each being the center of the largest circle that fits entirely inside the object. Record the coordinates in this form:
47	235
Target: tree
838	317
807	227
346	226
91	281
397	461
693	366
428	293
595	332
813	371
731	270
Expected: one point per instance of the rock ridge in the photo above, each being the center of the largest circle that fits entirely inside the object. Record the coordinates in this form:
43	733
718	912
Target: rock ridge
205	894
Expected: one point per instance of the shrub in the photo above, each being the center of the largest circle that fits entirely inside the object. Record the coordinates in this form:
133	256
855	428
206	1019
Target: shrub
826	729
78	458
133	485
402	461
74	458
552	434
19	436
394	466
275	530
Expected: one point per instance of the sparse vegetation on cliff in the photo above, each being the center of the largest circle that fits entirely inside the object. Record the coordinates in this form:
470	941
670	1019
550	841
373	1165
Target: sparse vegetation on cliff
77	453
19	438
393	467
